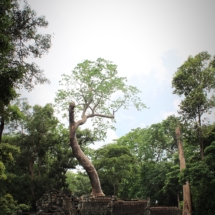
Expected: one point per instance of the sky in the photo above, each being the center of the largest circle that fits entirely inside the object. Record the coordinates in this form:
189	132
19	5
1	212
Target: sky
147	39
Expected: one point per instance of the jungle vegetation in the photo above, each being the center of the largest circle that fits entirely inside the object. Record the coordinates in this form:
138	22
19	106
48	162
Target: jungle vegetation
38	152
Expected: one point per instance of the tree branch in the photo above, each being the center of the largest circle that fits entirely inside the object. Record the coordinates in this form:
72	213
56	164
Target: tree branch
81	121
96	105
100	115
71	113
86	106
114	111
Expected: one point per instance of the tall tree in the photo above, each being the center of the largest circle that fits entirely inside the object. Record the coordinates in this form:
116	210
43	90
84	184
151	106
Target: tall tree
187	208
195	79
97	93
201	174
44	157
19	40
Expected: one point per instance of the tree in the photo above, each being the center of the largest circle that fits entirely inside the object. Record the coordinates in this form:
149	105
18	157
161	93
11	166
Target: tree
155	150
195	79
201	177
19	40
187	207
201	173
154	143
44	157
153	176
114	164
7	203
95	90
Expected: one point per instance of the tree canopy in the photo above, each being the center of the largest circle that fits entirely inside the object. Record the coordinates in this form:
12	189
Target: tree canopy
19	40
94	91
195	79
114	164
97	92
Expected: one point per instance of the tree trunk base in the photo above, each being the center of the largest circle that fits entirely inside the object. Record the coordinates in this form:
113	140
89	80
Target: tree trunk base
93	193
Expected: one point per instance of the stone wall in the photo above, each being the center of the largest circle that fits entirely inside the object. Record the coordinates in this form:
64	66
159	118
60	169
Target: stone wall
111	206
165	211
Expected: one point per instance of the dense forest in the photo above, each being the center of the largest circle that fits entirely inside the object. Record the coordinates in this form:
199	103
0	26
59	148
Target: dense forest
38	152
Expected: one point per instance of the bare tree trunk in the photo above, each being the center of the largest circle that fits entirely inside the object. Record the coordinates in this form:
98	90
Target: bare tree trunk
81	157
187	208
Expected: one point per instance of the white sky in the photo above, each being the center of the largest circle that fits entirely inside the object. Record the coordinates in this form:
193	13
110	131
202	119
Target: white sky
147	39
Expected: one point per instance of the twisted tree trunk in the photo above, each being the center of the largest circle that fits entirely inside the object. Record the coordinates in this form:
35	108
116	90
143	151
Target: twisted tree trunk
80	156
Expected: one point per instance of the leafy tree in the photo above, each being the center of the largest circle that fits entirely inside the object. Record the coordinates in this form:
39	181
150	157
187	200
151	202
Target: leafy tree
79	183
172	187
7	204
194	80
155	149
19	40
201	177
154	143
97	93
153	176
113	163
44	156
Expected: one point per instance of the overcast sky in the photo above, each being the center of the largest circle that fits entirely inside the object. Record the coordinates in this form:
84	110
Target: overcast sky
147	39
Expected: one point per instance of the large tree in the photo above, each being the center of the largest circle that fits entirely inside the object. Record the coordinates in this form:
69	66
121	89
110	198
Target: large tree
19	41
195	80
95	92
44	156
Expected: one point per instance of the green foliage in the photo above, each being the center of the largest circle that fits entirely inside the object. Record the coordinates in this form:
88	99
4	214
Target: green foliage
155	151
2	171
7	153
114	163
97	92
201	176
44	153
153	177
20	40
195	79
7	205
129	188
154	143
79	183
24	207
172	187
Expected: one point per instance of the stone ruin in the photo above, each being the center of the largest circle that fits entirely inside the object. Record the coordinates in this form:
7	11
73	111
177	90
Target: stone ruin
58	203
111	206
